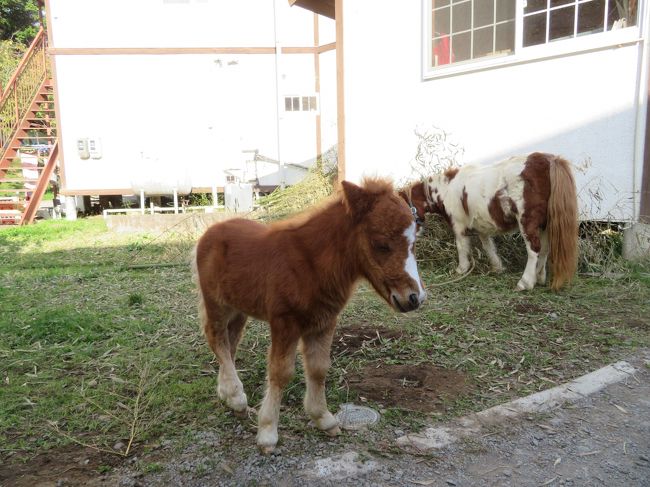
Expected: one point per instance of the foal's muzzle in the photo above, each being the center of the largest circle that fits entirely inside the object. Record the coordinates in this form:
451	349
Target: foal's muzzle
412	302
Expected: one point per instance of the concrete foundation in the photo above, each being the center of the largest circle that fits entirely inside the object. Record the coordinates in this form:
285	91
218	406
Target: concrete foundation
636	242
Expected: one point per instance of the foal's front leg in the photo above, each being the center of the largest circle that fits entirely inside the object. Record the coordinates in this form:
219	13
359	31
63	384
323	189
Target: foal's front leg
281	365
315	349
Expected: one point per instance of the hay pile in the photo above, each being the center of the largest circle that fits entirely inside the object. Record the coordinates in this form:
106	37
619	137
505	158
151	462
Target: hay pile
318	184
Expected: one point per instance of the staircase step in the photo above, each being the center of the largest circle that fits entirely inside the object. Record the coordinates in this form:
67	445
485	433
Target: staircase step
17	180
19	167
28	137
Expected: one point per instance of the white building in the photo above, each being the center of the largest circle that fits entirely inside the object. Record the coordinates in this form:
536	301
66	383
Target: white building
161	94
501	77
179	91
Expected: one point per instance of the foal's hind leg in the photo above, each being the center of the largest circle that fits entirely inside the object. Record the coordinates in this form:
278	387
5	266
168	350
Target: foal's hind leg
236	327
315	349
215	326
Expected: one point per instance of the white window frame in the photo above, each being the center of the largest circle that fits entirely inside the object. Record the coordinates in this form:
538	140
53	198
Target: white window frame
558	48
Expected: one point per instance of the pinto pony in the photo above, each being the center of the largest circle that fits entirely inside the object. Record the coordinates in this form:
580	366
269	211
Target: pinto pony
298	274
534	194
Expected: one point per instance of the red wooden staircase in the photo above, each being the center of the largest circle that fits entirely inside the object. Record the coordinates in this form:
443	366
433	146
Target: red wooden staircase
28	137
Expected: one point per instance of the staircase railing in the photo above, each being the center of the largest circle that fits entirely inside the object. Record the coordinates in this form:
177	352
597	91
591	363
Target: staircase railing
19	92
41	186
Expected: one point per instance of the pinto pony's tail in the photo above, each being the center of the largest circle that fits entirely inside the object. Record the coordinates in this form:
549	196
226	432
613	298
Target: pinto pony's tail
562	223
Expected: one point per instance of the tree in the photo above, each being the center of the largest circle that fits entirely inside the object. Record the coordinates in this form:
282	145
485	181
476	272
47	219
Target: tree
10	54
19	20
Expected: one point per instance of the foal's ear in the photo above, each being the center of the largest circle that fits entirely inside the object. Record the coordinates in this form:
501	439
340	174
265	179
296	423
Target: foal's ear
357	200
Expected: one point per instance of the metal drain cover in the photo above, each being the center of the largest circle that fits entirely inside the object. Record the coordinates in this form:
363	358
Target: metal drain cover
353	417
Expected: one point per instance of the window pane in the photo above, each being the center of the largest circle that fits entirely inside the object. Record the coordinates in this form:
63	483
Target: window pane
505	37
505	10
557	3
439	3
287	104
534	6
562	22
461	16
441	53
621	10
483	39
441	21
535	29
460	46
590	16
296	104
312	103
305	103
483	13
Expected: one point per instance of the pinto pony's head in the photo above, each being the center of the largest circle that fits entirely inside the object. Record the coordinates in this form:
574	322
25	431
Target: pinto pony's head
415	196
385	242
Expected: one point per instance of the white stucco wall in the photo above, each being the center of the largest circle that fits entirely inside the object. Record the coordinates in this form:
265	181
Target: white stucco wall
180	119
583	107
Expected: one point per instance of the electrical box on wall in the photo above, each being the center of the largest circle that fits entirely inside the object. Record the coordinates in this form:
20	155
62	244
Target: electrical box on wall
82	148
95	148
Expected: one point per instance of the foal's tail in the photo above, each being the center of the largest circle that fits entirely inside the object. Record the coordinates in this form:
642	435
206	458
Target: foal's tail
562	223
195	278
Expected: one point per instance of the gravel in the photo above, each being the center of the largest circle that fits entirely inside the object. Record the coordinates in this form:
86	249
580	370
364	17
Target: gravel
603	439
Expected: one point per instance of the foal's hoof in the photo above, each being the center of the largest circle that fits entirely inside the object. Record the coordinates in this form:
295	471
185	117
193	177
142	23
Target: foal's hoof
266	449
333	431
245	413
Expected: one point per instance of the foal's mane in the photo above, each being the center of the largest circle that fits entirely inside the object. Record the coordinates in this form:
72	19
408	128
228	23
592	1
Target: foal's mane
375	186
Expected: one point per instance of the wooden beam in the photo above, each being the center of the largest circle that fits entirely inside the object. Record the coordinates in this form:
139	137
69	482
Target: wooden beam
319	148
98	51
340	91
55	87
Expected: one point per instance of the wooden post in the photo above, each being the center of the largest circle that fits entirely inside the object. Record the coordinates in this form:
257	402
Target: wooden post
340	90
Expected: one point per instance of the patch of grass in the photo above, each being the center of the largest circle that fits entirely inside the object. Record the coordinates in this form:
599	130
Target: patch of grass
95	352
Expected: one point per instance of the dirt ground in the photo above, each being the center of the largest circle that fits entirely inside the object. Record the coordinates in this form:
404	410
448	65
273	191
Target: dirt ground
602	440
424	388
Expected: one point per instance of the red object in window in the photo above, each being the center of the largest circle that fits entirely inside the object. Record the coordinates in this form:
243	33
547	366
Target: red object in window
441	52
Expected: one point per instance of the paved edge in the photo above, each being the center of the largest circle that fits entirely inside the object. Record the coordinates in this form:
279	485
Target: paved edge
442	436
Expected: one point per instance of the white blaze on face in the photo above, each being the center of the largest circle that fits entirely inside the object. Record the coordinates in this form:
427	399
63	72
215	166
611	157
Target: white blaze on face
410	265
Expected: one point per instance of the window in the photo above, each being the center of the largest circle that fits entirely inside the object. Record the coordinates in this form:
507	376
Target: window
551	20
462	31
471	29
300	104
